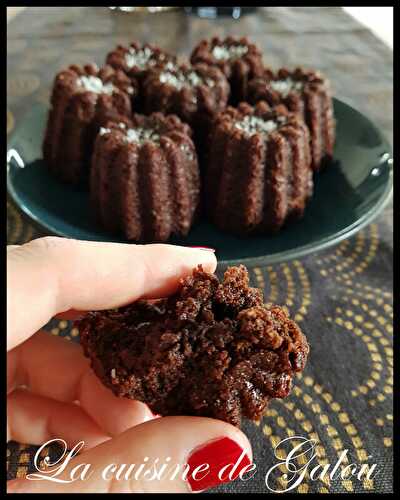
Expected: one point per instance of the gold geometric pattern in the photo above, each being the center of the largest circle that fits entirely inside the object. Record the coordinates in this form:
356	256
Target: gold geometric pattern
293	277
19	231
355	258
314	400
366	313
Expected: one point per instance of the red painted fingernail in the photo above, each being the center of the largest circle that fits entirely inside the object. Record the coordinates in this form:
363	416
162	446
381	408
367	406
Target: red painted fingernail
208	249
225	458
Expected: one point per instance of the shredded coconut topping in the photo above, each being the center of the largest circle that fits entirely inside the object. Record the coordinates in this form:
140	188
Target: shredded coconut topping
284	87
104	130
94	84
142	135
139	135
223	52
185	148
179	79
170	66
140	58
253	125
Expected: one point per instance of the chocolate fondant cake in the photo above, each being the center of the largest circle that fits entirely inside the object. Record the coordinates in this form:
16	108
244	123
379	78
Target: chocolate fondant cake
136	59
83	98
259	136
144	179
307	93
194	93
259	169
238	58
213	349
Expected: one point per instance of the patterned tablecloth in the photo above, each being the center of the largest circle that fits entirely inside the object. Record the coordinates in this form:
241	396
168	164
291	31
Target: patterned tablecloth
342	297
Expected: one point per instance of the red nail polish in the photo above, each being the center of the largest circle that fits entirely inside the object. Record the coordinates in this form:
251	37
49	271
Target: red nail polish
208	249
223	453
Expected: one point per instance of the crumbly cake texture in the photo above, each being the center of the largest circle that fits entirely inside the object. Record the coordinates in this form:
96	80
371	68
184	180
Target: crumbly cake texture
144	181
213	349
238	58
136	59
83	99
307	93
259	172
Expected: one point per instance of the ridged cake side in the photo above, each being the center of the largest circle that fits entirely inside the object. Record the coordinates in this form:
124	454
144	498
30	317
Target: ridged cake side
77	111
194	93
256	182
304	92
149	189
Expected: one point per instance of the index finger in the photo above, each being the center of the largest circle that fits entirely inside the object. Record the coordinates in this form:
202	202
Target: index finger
51	275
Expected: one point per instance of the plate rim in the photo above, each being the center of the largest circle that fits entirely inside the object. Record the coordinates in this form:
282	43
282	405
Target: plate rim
283	256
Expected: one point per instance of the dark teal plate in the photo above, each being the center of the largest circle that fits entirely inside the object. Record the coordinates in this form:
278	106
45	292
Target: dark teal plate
348	195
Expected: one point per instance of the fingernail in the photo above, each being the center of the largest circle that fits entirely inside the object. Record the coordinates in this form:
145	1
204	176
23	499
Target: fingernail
208	249
225	458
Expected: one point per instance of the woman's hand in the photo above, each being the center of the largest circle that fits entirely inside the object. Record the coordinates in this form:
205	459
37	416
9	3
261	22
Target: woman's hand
52	391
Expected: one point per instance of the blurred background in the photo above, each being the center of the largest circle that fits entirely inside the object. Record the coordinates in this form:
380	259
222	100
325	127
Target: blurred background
352	46
377	19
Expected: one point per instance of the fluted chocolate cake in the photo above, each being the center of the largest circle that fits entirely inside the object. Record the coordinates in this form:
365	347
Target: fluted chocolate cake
82	100
259	169
304	92
144	181
238	58
135	60
194	93
110	129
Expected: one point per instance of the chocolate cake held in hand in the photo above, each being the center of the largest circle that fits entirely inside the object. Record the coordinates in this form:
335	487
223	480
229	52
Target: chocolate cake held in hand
213	349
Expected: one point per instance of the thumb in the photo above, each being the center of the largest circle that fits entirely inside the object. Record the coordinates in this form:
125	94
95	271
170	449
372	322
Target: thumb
170	454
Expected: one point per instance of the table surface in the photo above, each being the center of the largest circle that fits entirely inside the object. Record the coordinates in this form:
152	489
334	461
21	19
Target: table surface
342	298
